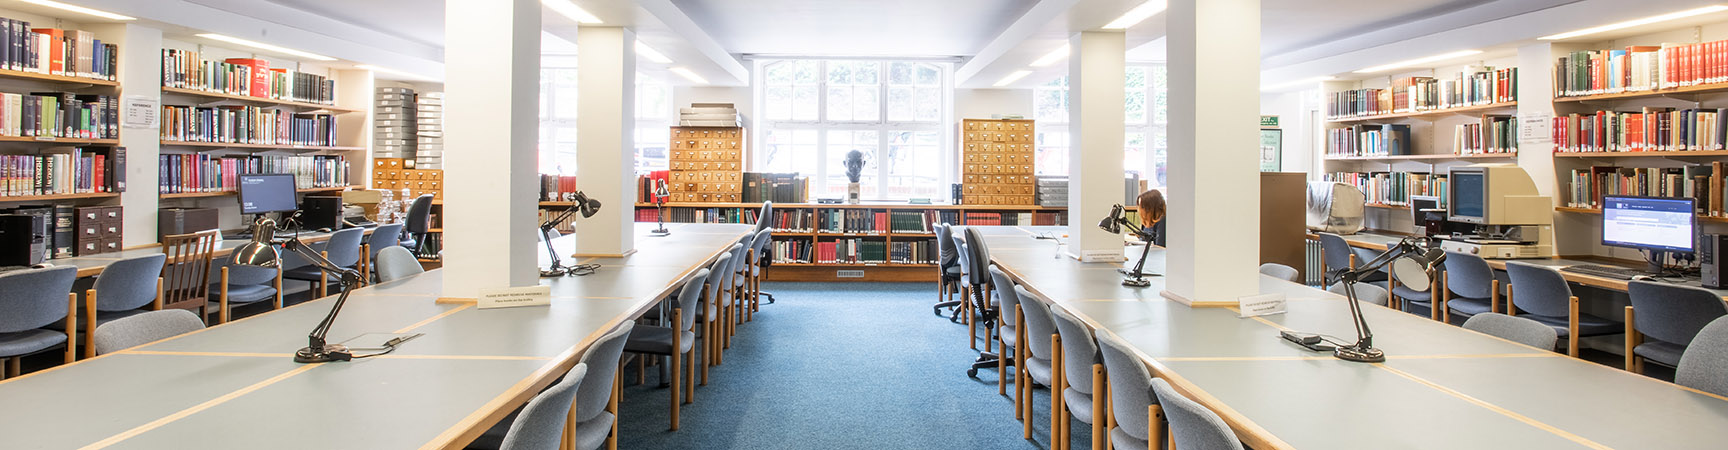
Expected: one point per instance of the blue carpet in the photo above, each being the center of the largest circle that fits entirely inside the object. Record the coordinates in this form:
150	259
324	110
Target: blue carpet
840	365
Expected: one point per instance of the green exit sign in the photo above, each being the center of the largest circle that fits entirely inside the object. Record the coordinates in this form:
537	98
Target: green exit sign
1269	121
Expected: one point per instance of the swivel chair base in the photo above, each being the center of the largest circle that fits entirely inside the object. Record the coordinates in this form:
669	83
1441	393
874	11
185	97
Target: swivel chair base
986	360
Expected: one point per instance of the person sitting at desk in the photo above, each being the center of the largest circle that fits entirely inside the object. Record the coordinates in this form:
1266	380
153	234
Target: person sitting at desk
1151	205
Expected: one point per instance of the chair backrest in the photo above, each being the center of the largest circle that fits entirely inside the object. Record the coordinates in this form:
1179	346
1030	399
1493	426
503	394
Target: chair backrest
1541	290
136	330
395	263
764	240
34	298
945	248
385	236
1039	324
1363	255
1079	351
186	271
419	215
1194	426
1009	298
1335	251
1704	365
718	271
1515	329
978	257
1130	385
602	362
765	217
690	298
735	272
1673	313
128	283
1469	276
1281	272
540	425
1364	292
962	253
343	248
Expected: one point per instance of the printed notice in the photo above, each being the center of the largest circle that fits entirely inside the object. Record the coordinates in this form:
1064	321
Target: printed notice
1535	128
516	296
1260	305
140	112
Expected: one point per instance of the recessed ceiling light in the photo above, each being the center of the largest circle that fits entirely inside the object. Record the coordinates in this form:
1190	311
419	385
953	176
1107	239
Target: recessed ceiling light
1052	57
688	75
393	72
1138	14
1300	82
264	46
1637	22
570	10
651	54
1013	77
1419	61
80	9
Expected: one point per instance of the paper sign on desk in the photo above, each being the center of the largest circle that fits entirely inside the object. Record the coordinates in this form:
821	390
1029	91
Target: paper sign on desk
1261	305
516	296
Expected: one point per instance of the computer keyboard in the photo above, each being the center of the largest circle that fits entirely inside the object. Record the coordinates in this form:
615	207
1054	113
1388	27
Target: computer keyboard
1615	272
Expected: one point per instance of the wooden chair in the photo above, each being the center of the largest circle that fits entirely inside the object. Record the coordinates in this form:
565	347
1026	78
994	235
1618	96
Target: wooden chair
186	272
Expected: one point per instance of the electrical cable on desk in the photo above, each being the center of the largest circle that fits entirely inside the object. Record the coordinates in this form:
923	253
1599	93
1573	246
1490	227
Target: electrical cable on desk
583	269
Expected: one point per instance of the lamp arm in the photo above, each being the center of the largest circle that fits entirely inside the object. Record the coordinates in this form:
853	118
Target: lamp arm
350	278
1404	246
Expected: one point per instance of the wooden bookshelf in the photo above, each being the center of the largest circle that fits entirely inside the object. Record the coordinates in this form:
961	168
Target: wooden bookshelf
1387	206
174	143
22	75
41	198
218	96
1595	211
1655	154
59	140
1702	89
1428	114
941	206
1442	157
229	193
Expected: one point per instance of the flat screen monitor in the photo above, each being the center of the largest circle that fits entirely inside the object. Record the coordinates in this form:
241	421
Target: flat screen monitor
1647	223
1469	196
267	193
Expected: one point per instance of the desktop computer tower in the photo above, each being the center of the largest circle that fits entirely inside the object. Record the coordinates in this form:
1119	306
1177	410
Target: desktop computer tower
1710	256
23	240
321	212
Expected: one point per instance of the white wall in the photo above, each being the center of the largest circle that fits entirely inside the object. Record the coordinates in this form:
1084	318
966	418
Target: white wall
985	103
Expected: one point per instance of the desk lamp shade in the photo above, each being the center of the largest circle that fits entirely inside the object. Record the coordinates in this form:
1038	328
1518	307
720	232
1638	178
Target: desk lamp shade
259	252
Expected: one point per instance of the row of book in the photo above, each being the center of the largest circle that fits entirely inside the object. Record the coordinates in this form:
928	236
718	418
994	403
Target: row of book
54	51
699	215
1473	86
1641	68
1393	188
841	221
558	188
202	172
1369	140
913	252
60	114
852	251
1649	129
63	170
1700	182
649	184
1495	133
790	251
244	76
775	187
247	125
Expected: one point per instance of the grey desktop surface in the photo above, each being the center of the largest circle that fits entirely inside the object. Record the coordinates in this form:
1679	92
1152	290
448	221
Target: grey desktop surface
234	386
1285	396
1378	241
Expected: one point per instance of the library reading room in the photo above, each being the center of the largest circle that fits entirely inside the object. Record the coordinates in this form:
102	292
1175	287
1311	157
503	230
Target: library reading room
864	224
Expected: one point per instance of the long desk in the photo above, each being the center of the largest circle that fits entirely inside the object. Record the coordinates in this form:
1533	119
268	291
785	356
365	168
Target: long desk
235	385
1442	387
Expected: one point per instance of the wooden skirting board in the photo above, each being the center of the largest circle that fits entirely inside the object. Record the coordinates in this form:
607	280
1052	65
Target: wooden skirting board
871	273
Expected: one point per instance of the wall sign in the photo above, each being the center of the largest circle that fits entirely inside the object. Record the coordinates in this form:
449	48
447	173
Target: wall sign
140	112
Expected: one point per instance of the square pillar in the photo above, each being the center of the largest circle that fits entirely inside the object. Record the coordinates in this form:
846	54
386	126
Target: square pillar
1097	70
606	149
140	66
492	102
1213	172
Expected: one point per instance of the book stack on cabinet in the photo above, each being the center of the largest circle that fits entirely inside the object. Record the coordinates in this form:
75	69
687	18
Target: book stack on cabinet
429	138
707	164
394	126
395	175
997	162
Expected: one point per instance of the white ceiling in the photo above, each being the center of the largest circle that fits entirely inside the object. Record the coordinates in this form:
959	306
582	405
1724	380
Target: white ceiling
1289	25
416	20
854	27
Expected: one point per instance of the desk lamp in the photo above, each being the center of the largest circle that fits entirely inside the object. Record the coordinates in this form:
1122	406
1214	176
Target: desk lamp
261	252
581	203
660	195
1411	262
1113	225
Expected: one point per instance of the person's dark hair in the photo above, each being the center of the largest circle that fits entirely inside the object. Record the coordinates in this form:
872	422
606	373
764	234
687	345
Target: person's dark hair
1151	205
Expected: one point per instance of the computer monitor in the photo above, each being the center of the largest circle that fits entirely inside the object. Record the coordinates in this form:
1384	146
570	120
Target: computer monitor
1495	194
1649	223
267	193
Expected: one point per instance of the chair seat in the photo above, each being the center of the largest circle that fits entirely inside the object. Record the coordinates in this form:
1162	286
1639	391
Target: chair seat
1588	325
1412	295
1468	306
592	434
102	317
30	341
1008	336
309	273
1662	352
1079	404
1039	370
1121	439
248	293
657	340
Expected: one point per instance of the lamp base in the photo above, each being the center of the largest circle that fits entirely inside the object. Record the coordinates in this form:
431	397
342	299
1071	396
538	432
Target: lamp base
1136	282
1130	272
329	353
1360	354
553	272
662	231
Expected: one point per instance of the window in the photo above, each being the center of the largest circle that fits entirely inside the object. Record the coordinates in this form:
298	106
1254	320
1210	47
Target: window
1050	109
1145	111
896	113
654	117
558	114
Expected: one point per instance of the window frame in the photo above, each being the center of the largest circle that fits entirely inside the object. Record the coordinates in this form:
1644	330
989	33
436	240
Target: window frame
1150	128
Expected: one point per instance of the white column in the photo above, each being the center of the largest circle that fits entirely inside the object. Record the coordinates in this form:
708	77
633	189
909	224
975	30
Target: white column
141	76
492	99
605	151
1214	179
1096	72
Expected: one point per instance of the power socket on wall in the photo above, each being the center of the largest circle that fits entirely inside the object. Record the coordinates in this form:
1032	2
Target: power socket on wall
848	274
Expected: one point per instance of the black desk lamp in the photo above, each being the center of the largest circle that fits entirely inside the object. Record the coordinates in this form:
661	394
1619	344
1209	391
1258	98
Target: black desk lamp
262	252
1411	262
581	203
1114	224
660	195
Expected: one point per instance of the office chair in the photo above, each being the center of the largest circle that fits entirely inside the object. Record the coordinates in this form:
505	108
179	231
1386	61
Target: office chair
1136	418
1037	355
596	402
395	263
1515	329
1079	379
343	249
1007	333
418	223
1662	320
1546	297
30	301
384	236
1364	293
540	425
1281	272
1191	425
764	244
245	285
762	260
136	330
1704	366
122	290
674	340
963	256
948	267
1335	253
1473	281
978	281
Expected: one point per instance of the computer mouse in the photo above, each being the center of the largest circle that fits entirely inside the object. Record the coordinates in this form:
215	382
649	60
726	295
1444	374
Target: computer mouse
1643	278
323	230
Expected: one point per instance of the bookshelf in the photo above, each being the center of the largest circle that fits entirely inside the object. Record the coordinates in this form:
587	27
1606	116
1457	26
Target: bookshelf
209	97
1426	114
55	197
1426	158
310	148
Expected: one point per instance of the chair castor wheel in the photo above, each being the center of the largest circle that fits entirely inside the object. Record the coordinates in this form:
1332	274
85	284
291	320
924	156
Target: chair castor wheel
972	373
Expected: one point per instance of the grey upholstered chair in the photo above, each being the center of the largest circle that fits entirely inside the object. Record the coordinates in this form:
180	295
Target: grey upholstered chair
1132	405
244	285
1468	287
734	286
384	236
753	271
343	249
1704	366
1082	375
1515	329
418	222
963	257
136	330
1364	293
1662	320
1281	272
977	279
1543	293
741	278
708	314
1036	354
30	300
948	269
1007	332
596	407
540	425
1193	426
763	219
1335	253
122	290
674	340
396	263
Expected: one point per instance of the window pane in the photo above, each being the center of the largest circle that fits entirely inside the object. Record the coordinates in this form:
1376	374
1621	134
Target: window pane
1135	109
839	143
866	102
1160	95
899	104
780	73
1050	105
789	151
865	73
899	73
914	165
805	72
839	72
651	148
804	103
1134	153
1159	158
929	104
779	103
1052	157
927	75
840	103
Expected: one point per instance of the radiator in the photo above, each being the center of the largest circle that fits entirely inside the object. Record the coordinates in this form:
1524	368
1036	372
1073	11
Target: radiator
1315	271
